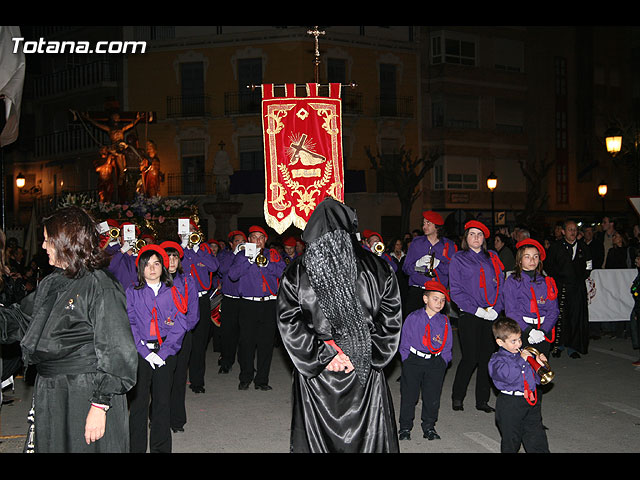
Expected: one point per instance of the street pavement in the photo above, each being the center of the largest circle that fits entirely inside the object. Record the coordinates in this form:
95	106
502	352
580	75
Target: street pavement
592	406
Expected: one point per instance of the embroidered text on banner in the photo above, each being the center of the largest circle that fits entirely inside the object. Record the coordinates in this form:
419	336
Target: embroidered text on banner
303	153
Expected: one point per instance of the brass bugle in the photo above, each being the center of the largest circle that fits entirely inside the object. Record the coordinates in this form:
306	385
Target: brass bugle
261	260
542	369
196	238
114	232
138	245
378	248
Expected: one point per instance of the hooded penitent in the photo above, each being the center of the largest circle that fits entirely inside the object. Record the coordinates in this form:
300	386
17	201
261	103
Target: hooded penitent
331	265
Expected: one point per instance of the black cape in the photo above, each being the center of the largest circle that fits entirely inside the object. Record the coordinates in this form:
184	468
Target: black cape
77	333
334	411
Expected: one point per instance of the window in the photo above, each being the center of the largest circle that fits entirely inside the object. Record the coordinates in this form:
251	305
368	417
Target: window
455	111
454	48
192	88
249	73
336	70
456	173
192	153
508	55
251	153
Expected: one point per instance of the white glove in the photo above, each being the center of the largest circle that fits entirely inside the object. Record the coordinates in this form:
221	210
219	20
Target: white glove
486	313
536	336
154	360
126	246
196	247
184	240
423	261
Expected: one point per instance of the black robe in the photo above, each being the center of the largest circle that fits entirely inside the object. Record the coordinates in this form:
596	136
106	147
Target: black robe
77	333
334	411
572	329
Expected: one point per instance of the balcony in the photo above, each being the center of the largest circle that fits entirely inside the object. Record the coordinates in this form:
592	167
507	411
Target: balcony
242	103
190	184
394	106
189	106
75	139
89	75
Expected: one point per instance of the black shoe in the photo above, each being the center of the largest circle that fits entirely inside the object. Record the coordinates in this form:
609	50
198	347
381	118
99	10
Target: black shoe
404	435
485	408
263	387
431	434
224	369
457	405
575	355
196	388
244	385
177	429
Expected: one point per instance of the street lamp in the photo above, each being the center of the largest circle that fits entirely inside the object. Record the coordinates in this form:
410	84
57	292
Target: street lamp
602	191
20	180
613	141
492	183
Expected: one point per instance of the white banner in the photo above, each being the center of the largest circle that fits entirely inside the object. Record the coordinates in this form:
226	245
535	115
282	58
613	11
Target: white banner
609	294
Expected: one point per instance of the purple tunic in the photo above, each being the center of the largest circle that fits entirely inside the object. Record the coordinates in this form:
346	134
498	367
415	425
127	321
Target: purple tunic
465	282
171	323
228	287
193	306
517	302
123	266
255	281
200	265
509	371
420	246
415	328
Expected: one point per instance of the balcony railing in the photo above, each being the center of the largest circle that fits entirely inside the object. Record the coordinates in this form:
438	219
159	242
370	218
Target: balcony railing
239	103
191	184
80	76
73	140
189	106
394	106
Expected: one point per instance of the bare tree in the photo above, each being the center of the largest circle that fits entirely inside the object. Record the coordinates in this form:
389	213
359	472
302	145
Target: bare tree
405	174
535	172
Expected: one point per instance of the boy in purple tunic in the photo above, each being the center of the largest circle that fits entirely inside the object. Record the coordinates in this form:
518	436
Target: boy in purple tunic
518	413
426	350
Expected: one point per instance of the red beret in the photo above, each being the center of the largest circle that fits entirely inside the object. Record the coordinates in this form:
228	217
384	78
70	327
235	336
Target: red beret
478	225
155	248
371	233
174	245
533	243
433	217
289	242
256	228
112	223
236	232
435	286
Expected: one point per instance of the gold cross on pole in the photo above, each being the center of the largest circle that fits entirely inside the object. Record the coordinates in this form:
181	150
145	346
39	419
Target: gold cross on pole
316	33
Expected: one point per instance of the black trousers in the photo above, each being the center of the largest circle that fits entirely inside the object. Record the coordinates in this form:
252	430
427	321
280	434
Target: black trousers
179	386
152	385
201	335
229	330
257	333
477	345
421	376
520	424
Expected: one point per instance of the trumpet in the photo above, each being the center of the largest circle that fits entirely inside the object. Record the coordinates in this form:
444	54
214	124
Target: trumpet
114	233
542	369
195	238
138	245
378	248
261	259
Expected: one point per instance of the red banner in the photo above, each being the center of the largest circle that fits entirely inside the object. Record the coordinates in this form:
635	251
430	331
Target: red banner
303	153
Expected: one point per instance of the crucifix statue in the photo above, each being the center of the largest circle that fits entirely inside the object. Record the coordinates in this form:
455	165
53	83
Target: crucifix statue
316	33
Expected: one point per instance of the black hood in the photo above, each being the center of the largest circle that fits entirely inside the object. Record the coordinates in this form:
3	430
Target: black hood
330	215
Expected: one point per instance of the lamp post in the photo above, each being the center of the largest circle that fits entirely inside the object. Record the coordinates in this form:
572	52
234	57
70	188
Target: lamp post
20	180
492	183
602	191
